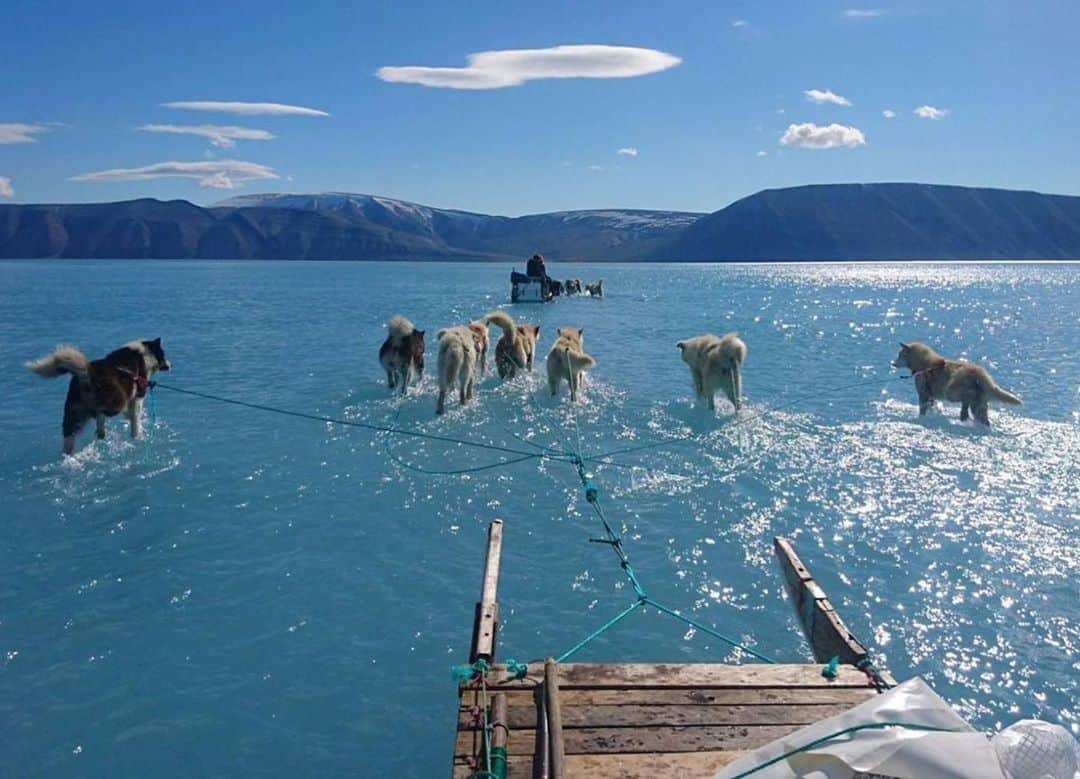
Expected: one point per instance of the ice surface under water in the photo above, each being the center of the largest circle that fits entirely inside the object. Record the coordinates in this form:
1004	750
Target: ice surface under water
249	592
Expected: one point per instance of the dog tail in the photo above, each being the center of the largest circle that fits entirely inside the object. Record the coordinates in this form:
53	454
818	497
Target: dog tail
736	348
503	320
997	393
579	360
451	361
399	326
64	359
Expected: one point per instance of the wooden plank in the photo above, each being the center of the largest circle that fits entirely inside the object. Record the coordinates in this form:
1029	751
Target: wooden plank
588	741
646	765
826	633
693	675
554	719
521	717
486	620
706	696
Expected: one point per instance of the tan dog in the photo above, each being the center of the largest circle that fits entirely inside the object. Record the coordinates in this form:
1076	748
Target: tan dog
457	364
956	380
715	364
567	360
479	331
516	347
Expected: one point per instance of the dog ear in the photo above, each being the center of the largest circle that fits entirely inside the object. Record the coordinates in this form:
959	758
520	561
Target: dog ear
580	332
157	341
536	329
681	345
904	345
419	333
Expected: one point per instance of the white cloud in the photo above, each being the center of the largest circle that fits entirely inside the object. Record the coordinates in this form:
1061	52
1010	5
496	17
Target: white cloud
864	13
213	174
739	23
513	67
888	113
21	133
628	151
929	112
825	96
596	168
222	136
271	109
812	136
762	153
5	187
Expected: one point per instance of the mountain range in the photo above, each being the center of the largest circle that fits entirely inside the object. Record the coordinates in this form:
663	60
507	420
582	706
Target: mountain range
817	222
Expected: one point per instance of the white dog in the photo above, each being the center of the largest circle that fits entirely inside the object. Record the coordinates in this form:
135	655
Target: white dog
457	364
715	364
567	360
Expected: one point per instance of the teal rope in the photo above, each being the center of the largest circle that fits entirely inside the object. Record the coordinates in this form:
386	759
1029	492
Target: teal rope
592	495
446	472
599	631
349	422
837	734
710	631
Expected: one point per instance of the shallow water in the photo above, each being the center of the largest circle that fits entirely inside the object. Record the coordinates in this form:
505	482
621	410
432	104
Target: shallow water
248	593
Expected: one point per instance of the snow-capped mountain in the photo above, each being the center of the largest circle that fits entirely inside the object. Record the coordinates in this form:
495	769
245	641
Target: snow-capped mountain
606	234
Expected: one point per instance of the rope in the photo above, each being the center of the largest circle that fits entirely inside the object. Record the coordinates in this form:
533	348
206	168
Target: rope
837	734
612	539
350	423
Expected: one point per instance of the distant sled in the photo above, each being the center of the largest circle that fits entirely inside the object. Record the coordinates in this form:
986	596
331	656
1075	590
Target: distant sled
529	289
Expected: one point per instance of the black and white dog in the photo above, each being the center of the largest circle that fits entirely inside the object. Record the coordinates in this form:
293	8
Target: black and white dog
103	388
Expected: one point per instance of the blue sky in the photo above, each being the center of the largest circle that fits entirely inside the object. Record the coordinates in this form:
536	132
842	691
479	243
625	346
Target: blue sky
82	77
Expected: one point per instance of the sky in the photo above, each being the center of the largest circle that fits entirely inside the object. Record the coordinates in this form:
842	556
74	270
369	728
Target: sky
513	108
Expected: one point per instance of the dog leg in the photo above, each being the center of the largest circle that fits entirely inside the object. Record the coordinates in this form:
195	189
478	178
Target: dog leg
100	425
135	417
573	382
981	410
964	411
440	404
553	385
406	378
711	401
75	416
391	379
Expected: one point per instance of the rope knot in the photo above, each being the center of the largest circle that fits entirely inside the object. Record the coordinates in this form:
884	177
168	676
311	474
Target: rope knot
591	492
515	669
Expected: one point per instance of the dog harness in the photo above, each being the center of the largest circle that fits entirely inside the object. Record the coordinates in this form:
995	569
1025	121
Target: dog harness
142	382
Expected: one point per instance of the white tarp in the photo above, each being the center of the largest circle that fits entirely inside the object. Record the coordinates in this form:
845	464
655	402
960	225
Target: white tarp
892	752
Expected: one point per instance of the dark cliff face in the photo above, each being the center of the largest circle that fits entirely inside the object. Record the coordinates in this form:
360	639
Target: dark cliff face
885	222
834	221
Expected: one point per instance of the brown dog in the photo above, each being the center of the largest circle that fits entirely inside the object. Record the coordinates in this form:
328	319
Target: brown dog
103	388
402	353
955	380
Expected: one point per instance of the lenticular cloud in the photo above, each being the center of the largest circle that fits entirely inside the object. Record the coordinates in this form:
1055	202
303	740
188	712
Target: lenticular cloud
812	136
511	68
211	174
